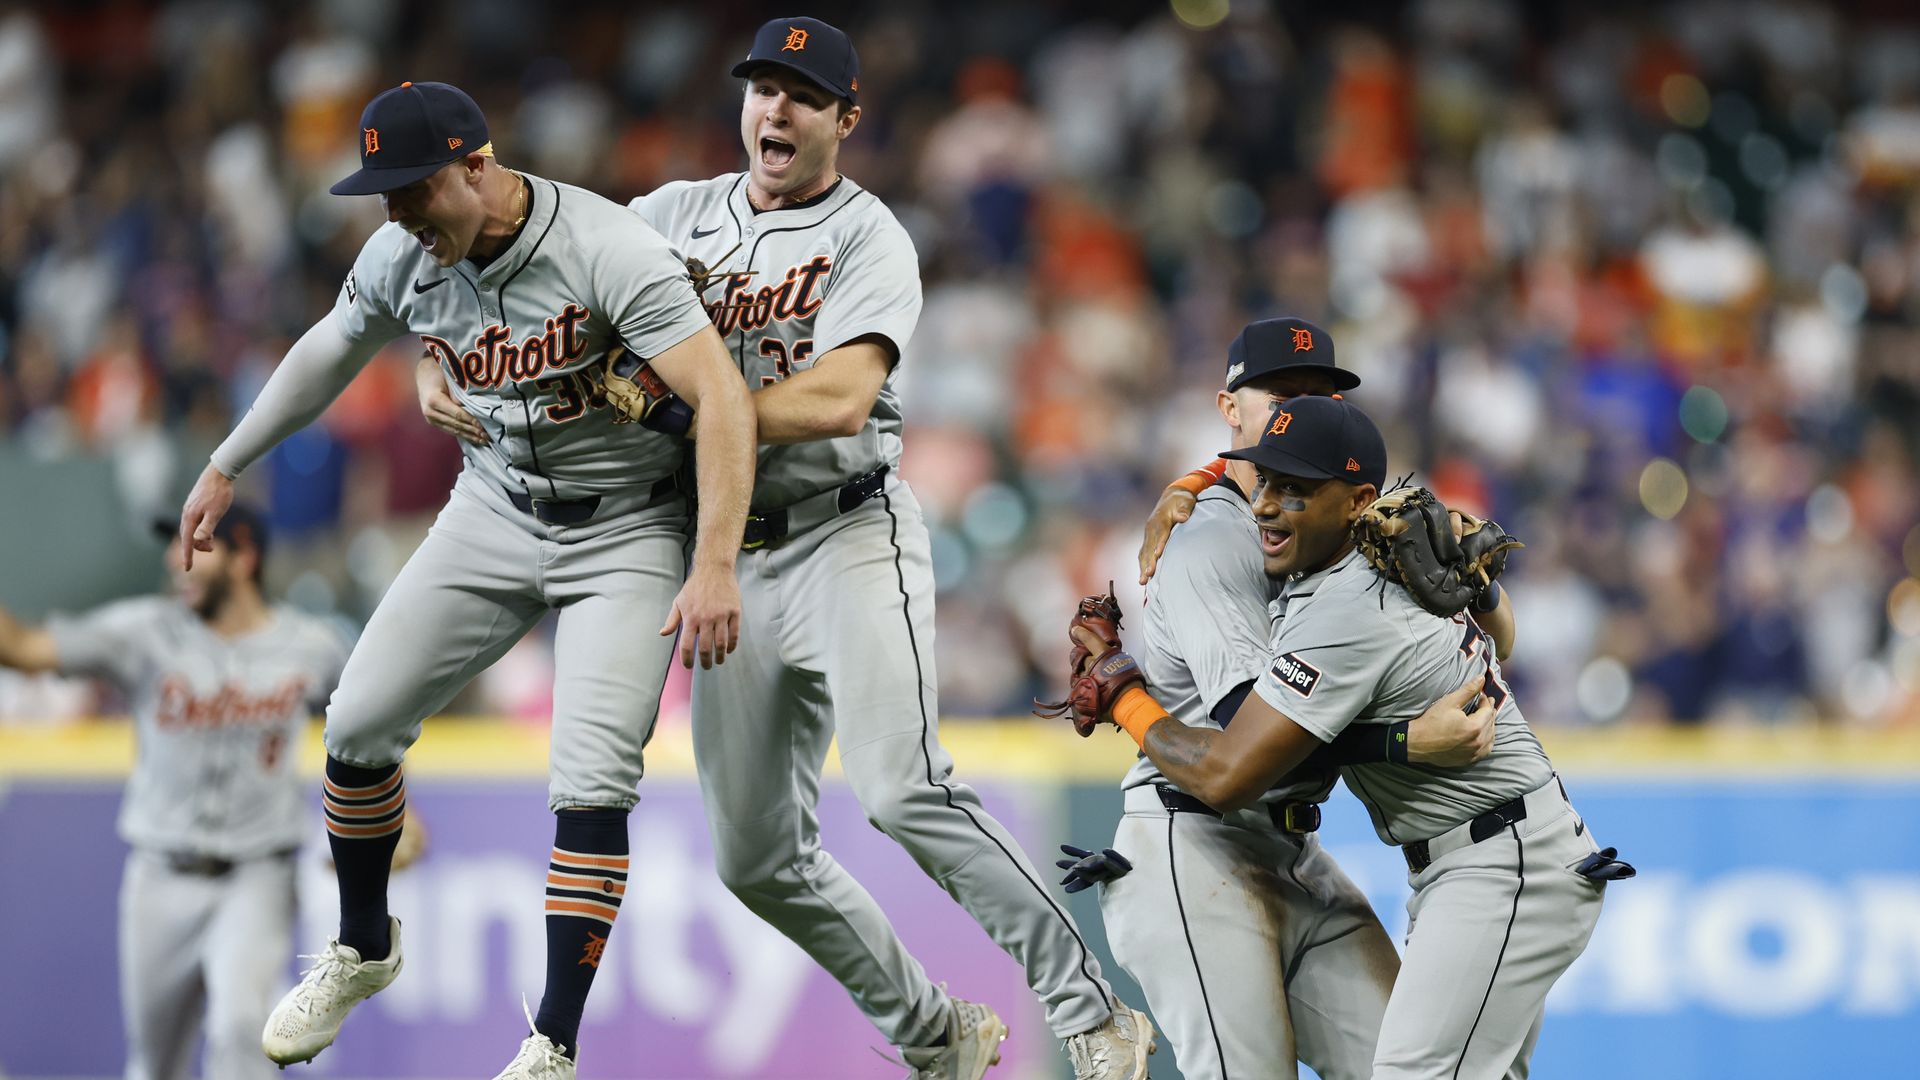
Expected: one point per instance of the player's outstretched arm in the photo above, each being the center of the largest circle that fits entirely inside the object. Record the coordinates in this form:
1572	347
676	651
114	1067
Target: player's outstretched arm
314	372
26	648
829	400
708	607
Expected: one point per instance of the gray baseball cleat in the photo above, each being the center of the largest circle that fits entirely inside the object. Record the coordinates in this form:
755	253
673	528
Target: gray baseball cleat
1116	1050
974	1035
308	1018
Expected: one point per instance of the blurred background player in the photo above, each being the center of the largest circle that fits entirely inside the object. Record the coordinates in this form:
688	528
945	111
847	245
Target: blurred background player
221	684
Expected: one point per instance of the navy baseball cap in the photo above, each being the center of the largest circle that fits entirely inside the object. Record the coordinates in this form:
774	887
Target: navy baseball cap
1320	437
241	525
1272	345
411	132
815	49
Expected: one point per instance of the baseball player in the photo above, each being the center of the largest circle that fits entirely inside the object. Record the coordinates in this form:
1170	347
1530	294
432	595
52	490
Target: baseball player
816	288
1507	885
1253	946
522	289
221	683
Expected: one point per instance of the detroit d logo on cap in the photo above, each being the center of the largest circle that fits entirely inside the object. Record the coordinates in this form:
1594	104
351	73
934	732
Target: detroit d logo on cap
1280	422
796	40
1302	340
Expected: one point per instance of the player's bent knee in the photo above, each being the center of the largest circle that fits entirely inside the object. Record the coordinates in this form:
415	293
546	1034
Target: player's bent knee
755	871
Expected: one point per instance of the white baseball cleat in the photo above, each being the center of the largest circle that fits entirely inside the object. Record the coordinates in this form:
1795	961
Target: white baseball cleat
540	1058
1116	1050
308	1018
974	1035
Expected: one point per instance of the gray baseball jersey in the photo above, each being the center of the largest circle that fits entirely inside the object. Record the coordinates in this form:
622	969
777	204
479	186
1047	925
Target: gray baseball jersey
212	808
218	721
1349	649
1253	947
1496	913
837	632
520	341
789	287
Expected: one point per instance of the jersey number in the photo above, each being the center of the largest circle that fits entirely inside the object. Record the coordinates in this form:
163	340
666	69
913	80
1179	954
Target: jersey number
577	392
783	361
1475	641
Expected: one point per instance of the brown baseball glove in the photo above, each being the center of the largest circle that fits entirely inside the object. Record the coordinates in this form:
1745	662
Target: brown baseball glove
1096	681
638	396
1408	536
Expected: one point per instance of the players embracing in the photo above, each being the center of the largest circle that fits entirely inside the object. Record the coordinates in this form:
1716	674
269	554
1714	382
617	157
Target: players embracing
815	288
1507	882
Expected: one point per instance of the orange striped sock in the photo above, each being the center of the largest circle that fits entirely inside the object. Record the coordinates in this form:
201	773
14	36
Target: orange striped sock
586	880
364	809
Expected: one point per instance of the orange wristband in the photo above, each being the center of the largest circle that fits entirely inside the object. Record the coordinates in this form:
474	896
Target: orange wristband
1136	711
1201	478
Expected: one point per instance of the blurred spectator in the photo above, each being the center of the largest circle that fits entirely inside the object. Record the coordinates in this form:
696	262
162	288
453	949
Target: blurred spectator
1644	283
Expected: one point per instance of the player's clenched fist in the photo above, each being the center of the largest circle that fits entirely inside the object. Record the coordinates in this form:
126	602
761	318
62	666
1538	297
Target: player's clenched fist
707	612
206	504
1099	669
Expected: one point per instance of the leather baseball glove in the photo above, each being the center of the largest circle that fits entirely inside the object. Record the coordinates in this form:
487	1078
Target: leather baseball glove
1097	681
1408	536
637	395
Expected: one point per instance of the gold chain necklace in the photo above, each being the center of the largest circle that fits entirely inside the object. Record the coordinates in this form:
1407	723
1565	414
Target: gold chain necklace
520	200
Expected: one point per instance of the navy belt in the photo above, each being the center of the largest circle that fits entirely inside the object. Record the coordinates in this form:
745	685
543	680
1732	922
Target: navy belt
1293	817
574	511
1485	827
769	527
198	864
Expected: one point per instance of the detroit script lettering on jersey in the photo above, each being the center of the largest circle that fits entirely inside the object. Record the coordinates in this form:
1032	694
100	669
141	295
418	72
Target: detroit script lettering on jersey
495	360
232	705
741	307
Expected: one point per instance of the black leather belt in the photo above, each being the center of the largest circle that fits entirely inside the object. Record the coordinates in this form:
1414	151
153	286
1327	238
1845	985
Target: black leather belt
1293	817
187	862
574	511
1485	827
770	527
210	866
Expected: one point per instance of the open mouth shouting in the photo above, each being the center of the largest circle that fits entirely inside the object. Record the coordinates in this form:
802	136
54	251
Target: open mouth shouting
776	154
427	235
1275	539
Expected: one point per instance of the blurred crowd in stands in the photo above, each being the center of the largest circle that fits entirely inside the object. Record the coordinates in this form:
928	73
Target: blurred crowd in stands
1640	280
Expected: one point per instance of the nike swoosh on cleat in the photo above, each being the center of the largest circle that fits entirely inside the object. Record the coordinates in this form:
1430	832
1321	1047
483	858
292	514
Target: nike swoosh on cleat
429	287
699	233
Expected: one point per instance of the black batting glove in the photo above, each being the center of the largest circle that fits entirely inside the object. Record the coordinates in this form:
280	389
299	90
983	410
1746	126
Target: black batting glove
1089	868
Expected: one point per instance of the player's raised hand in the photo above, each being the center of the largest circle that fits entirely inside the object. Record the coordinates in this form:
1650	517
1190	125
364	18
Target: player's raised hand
1175	506
438	406
206	504
1447	734
707	612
